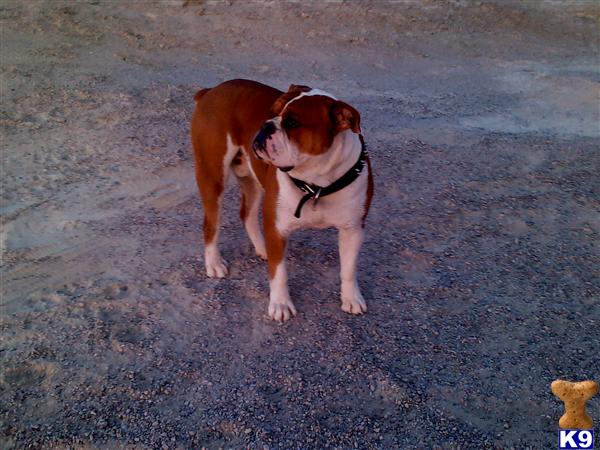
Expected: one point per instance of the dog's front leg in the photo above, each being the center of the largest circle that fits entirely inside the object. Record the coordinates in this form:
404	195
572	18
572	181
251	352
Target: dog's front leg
350	240
281	307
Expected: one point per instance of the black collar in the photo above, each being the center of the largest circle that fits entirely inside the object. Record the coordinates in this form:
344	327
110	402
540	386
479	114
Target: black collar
312	190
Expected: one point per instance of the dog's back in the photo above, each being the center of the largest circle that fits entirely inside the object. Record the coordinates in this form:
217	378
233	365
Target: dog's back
217	109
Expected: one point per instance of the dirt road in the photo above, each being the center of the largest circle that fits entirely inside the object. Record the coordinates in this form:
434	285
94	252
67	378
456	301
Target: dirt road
481	263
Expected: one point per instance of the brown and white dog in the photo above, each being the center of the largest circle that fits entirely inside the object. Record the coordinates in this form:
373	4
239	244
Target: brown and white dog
301	146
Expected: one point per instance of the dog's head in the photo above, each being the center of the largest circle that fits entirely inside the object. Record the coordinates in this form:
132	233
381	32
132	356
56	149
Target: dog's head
305	123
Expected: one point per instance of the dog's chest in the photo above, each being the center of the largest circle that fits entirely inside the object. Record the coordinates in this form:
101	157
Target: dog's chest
341	209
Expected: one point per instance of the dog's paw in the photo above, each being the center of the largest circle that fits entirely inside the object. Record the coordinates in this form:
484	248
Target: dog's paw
354	303
261	253
281	310
216	268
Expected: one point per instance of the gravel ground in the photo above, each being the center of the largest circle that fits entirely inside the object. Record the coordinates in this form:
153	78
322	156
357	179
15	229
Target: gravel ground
480	267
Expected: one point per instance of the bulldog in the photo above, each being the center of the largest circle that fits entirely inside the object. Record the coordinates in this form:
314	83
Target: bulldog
300	154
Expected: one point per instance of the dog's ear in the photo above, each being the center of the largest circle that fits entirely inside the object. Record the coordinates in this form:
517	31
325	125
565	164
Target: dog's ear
345	117
293	91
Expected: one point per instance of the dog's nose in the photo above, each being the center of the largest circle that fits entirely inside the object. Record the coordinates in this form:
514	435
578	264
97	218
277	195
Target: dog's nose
268	128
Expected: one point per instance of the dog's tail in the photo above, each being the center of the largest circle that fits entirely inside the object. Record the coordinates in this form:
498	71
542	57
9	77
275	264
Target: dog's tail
200	94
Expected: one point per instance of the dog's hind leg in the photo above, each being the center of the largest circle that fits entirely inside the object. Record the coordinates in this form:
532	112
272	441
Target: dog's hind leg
252	196
212	170
211	192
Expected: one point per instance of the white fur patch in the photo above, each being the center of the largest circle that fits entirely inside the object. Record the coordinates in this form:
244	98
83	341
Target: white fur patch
350	241
306	94
281	307
215	267
232	149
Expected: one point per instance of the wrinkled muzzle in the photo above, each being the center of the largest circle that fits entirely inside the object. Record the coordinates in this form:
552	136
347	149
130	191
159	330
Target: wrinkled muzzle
272	146
259	144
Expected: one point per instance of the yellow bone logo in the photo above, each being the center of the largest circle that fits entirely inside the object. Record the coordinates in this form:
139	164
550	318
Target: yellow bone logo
574	395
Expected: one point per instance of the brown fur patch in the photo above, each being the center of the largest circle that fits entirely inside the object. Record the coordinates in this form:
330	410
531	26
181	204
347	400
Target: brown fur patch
318	119
315	132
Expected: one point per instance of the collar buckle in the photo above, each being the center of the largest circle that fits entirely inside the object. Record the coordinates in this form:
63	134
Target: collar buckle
309	189
316	197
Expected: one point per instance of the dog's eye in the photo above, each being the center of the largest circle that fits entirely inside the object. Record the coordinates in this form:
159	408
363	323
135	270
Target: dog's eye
290	123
